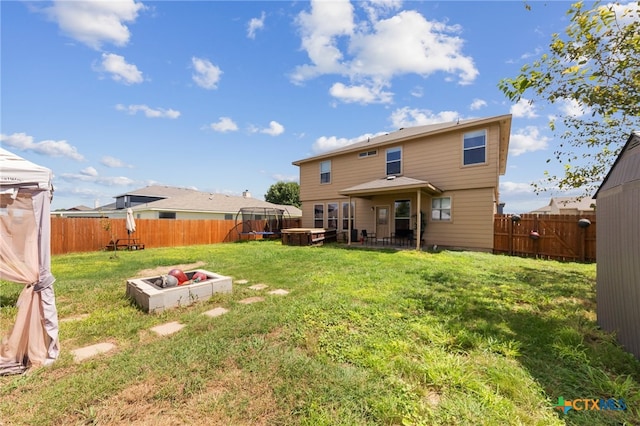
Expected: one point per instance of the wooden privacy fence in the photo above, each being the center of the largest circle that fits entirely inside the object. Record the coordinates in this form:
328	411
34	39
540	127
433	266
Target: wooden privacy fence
72	235
558	237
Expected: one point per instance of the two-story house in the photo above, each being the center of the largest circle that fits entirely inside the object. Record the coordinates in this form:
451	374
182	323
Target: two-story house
437	181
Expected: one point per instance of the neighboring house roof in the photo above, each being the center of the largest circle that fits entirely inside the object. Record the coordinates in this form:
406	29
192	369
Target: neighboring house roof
80	208
409	133
189	200
559	204
391	183
161	191
625	170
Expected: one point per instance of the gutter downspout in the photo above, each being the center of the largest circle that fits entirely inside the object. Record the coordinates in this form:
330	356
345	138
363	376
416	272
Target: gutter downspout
349	213
419	220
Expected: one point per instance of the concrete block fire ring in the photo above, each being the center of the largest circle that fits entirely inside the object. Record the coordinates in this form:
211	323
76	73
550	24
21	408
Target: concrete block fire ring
152	298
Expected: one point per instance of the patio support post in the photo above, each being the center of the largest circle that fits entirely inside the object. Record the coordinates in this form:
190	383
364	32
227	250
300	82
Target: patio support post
349	214
418	220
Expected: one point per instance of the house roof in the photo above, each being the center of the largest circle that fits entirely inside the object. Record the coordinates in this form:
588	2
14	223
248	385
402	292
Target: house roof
583	204
626	169
409	133
196	201
390	183
161	191
189	200
80	207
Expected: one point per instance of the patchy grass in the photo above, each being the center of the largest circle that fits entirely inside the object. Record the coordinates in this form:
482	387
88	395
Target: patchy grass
364	337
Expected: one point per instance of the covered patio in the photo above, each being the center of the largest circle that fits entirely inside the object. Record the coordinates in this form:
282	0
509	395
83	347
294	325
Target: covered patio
383	190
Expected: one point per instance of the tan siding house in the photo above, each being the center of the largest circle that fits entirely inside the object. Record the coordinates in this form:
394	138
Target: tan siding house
618	248
446	173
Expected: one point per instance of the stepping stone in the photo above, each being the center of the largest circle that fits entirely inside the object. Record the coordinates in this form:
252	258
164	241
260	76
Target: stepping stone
76	318
258	287
91	351
251	300
216	312
279	292
241	282
168	328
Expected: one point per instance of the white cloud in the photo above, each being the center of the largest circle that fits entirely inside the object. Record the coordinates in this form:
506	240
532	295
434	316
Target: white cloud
89	171
224	124
625	13
523	109
328	143
285	178
254	25
95	22
527	140
477	104
509	188
407	117
274	129
407	43
375	8
24	142
372	53
360	94
114	163
119	69
100	180
417	92
320	31
572	108
206	74
149	112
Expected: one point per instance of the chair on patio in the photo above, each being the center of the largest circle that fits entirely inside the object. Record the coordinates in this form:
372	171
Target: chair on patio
366	237
402	237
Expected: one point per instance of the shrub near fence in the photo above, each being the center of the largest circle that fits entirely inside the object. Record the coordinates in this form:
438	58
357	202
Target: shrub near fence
72	235
560	237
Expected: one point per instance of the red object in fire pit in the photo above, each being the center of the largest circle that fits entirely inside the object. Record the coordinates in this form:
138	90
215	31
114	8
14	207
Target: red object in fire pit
199	276
180	275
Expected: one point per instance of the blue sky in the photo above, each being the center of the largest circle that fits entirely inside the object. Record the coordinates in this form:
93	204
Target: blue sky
222	96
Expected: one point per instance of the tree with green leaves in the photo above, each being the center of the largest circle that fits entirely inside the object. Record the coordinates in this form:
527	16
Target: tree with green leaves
287	193
594	65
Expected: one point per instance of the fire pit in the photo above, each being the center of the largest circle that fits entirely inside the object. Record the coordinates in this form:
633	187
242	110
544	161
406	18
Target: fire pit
153	298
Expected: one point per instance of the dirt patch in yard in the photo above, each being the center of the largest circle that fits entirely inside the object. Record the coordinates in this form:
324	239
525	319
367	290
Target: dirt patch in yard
161	270
229	396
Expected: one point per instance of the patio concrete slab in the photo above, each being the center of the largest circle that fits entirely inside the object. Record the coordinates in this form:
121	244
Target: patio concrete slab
279	292
250	300
87	352
258	287
216	312
241	282
168	328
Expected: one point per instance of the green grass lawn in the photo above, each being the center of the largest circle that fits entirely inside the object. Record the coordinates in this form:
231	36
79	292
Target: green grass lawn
364	337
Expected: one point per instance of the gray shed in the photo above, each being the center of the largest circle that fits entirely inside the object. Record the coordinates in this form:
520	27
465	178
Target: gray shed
618	247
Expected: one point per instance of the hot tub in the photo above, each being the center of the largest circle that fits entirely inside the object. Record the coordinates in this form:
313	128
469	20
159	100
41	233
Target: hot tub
152	298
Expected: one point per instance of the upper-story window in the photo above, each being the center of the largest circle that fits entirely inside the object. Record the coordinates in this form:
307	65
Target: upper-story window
325	171
475	147
365	154
394	161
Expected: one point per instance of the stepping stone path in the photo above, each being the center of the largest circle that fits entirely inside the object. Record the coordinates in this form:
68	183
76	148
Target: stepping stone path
91	351
216	312
250	300
169	328
258	287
